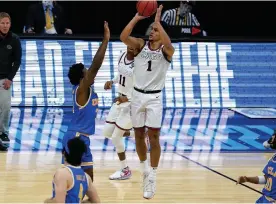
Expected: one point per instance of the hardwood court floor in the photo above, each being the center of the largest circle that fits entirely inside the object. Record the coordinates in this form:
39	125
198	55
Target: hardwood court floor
26	177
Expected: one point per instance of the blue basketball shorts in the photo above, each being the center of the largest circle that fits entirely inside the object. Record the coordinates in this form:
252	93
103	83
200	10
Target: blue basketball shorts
87	158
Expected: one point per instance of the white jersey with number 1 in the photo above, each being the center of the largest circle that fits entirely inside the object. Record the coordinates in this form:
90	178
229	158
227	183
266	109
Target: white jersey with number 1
150	69
124	77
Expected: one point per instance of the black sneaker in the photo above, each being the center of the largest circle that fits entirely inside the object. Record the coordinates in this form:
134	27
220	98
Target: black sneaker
4	139
3	148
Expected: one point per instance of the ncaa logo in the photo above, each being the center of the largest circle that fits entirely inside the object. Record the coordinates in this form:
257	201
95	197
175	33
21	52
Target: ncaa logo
9	47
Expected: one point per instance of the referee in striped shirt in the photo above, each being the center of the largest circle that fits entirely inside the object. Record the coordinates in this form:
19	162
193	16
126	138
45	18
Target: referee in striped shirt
181	16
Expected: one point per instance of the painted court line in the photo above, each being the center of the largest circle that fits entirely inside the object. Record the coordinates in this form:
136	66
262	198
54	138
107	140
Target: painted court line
214	171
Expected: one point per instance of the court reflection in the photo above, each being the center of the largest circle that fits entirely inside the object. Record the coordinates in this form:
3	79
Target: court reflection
192	130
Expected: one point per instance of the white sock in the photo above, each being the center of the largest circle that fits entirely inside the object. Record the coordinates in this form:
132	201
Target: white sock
154	171
144	166
123	164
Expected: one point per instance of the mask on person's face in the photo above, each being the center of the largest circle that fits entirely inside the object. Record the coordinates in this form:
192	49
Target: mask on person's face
47	3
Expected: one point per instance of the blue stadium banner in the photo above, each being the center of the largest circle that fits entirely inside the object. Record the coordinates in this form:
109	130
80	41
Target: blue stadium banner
201	75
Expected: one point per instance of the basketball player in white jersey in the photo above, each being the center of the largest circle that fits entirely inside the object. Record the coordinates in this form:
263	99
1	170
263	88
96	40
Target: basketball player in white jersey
118	121
150	68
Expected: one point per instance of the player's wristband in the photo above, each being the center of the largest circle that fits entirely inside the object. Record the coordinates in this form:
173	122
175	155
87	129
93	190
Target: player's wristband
262	180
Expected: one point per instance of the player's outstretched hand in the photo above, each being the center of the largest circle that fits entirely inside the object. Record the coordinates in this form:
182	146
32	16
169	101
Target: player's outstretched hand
106	31
241	179
139	17
158	14
108	85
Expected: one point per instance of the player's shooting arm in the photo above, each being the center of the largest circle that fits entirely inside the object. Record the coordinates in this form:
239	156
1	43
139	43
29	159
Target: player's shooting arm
97	61
165	39
135	43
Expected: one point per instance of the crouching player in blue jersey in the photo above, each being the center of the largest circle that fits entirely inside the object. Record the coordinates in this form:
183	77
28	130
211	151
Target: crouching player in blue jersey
85	104
268	179
71	183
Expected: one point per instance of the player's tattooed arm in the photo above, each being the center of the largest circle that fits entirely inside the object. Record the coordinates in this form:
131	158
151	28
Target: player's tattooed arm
97	61
135	43
166	41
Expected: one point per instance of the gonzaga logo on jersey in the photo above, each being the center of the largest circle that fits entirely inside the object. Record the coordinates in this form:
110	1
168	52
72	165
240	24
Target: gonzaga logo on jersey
132	65
125	69
151	55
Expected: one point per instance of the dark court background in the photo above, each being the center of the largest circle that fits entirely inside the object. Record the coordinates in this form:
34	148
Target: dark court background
218	18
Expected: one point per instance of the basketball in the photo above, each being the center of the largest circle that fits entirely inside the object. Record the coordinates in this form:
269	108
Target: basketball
146	8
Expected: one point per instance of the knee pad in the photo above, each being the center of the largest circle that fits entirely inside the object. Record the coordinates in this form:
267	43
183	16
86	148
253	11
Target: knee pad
118	140
108	130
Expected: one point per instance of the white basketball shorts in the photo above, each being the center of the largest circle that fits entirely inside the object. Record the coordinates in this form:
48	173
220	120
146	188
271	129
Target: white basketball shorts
120	116
146	109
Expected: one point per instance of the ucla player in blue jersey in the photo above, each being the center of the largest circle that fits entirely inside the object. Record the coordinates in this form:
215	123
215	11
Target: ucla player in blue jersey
85	104
268	179
71	183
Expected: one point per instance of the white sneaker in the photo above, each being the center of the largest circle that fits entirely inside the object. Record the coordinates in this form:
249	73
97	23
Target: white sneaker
150	185
122	174
145	178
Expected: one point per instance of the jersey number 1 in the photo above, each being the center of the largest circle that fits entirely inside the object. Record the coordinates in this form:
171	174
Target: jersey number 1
149	66
122	80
